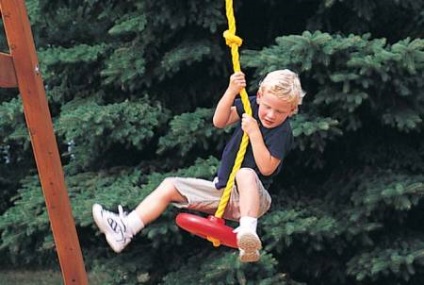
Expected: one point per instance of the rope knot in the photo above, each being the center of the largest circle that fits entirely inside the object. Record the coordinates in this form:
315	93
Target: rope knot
231	39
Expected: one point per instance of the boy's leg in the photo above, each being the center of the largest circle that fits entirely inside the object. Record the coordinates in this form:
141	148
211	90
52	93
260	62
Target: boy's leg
120	228
157	201
249	202
247	186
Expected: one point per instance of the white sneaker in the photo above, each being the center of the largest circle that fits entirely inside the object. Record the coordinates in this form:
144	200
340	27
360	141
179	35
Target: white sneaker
249	245
112	225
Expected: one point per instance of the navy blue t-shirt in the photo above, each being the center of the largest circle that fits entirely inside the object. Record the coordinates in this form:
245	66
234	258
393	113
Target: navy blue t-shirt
278	140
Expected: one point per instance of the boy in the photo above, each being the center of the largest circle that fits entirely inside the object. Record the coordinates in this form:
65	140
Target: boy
270	138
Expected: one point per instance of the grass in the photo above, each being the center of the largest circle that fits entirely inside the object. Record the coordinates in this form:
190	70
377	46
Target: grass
39	277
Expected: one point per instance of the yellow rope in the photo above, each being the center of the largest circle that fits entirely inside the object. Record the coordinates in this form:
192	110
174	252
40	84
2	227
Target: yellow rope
234	42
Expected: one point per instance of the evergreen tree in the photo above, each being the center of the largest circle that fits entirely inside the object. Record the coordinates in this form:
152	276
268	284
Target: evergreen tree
132	87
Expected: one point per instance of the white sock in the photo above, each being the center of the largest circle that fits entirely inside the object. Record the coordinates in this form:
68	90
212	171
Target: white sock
248	224
134	223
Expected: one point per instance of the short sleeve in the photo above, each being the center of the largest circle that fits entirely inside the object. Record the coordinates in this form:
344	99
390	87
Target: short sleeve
279	143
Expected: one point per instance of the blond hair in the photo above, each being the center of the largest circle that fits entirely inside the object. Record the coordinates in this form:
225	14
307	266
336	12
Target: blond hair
284	84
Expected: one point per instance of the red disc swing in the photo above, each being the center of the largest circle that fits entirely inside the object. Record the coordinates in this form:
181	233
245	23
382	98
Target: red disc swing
213	228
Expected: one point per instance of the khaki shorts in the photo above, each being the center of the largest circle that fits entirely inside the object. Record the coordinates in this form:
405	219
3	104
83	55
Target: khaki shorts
202	196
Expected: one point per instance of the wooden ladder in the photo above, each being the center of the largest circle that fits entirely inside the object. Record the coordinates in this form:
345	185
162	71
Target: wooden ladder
20	69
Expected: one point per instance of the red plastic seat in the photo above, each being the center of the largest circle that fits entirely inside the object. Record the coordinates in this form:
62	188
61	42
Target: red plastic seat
208	228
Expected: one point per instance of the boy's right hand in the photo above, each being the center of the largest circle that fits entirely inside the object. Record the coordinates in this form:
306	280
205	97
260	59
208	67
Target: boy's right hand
237	82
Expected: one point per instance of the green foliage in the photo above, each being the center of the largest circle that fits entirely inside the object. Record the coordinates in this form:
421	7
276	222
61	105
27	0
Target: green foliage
314	132
75	54
129	124
387	190
404	120
401	259
124	66
185	127
12	128
132	88
130	23
25	227
225	269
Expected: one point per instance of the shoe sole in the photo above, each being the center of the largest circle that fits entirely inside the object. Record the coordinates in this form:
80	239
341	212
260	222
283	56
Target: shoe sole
251	245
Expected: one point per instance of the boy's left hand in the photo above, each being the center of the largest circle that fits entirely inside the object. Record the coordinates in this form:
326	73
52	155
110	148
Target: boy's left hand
249	125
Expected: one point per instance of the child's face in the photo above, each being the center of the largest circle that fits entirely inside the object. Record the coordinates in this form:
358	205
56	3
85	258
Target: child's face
273	111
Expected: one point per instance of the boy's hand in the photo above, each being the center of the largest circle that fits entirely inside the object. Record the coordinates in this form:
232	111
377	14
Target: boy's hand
237	82
249	125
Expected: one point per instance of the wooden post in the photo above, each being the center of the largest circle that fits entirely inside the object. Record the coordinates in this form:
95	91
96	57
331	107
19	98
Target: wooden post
21	68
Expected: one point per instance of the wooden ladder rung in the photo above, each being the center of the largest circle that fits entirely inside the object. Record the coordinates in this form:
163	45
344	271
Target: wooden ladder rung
7	71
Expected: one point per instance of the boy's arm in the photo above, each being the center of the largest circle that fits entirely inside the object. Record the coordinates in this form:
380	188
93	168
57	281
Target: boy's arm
225	113
266	163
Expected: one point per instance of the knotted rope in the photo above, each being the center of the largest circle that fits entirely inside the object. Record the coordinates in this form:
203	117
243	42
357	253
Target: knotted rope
234	42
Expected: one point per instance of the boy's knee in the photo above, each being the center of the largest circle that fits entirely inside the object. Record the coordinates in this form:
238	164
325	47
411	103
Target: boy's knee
246	173
170	190
246	176
168	185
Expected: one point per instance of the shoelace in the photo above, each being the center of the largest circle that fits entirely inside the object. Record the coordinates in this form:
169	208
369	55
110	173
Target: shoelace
116	227
122	214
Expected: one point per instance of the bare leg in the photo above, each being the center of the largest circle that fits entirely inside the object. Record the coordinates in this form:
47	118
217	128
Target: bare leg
119	229
156	202
248	190
248	241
